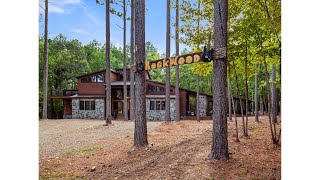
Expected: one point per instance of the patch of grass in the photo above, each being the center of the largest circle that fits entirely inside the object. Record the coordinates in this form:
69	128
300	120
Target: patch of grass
59	175
200	166
85	150
271	147
268	176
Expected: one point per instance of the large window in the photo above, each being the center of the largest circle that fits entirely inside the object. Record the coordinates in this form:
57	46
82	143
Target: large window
158	105
96	78
87	105
152	88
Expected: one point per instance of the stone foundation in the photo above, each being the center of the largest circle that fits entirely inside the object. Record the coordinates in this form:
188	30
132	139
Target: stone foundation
98	113
203	105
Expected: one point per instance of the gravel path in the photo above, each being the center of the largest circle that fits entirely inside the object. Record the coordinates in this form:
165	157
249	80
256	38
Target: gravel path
58	137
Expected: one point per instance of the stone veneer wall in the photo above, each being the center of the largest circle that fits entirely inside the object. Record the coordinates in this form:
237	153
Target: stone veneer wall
98	113
159	114
203	105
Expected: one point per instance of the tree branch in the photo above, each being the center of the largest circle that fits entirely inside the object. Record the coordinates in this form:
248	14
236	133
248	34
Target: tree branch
119	26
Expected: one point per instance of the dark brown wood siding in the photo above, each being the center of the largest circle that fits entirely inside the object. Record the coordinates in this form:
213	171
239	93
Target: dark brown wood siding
96	88
183	102
172	92
67	109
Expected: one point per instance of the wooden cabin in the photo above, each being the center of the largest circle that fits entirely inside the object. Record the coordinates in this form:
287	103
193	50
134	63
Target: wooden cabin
88	101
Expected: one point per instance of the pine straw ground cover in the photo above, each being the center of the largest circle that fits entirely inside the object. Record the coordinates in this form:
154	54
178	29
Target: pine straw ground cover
180	151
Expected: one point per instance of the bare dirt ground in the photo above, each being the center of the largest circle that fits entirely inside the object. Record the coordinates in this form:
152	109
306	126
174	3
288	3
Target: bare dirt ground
180	151
69	137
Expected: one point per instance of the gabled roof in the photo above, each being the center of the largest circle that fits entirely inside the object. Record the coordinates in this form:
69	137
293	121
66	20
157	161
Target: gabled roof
93	73
98	72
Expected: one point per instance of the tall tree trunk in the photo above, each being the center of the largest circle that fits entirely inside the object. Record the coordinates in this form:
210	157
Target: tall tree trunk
252	104
240	101
264	105
234	110
229	100
246	92
198	93
274	94
132	45
219	148
177	67
167	112
273	132
256	111
51	104
261	105
197	75
273	135
107	76
125	102
140	123
45	66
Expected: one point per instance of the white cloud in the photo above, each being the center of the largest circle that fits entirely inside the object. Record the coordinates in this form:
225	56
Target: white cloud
89	14
58	6
55	9
71	1
63	2
80	31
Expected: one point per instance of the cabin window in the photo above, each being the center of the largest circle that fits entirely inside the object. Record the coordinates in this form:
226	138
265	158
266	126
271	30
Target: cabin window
87	105
81	105
100	78
96	78
92	105
157	105
163	105
85	80
152	105
93	79
152	88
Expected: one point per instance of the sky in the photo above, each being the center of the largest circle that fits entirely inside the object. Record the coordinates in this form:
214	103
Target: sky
85	20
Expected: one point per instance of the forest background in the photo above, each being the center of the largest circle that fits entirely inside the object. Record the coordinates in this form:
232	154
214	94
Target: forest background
254	45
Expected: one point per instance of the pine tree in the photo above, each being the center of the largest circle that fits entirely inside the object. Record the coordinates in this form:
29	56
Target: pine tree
177	67
132	54
125	102
167	107
219	148
45	65
140	123
107	75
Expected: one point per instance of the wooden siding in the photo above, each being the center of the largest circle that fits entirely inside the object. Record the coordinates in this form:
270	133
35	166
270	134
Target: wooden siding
67	109
183	102
96	88
172	92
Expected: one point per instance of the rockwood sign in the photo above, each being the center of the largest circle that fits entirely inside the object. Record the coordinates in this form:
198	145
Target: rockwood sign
173	61
205	56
